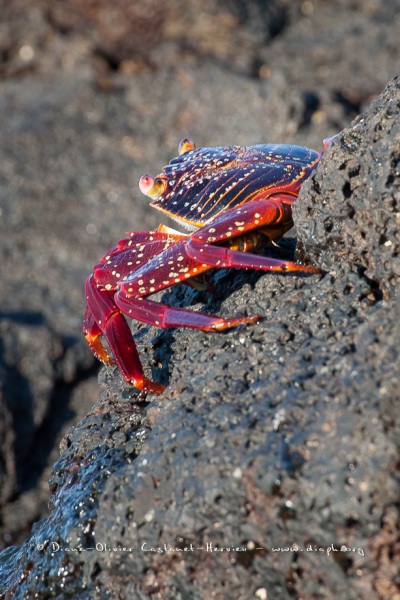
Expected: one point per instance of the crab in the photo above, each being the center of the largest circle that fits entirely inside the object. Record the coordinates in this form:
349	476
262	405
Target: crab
235	200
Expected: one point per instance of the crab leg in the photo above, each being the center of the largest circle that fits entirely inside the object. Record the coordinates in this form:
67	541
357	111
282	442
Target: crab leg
272	216
132	253
258	214
199	252
163	316
221	257
106	318
92	334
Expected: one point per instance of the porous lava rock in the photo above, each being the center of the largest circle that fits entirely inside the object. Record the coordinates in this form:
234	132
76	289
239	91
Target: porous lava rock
349	217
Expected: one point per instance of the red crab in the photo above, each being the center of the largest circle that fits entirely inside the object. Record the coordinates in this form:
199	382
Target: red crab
235	200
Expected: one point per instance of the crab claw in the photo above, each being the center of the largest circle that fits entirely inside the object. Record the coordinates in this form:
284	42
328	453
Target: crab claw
185	146
153	188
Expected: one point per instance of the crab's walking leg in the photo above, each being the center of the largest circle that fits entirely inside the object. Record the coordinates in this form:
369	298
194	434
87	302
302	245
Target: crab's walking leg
221	257
92	334
265	215
107	319
163	316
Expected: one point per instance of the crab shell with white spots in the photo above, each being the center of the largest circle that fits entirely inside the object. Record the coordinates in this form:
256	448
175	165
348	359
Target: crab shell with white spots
201	183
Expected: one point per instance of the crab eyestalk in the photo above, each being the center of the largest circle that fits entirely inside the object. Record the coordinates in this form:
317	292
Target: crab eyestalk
185	146
152	187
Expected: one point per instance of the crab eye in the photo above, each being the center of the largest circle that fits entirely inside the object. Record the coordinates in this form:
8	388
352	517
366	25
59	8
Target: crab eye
152	187
185	146
146	182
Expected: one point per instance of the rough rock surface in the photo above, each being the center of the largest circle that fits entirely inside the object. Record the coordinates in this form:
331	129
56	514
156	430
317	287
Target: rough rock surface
364	190
268	437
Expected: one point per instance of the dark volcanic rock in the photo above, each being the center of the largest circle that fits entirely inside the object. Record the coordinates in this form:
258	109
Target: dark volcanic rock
280	440
7	458
350	216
